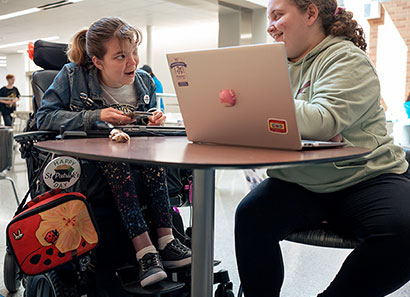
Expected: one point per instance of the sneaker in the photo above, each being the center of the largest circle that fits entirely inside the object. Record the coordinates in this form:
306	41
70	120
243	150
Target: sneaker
151	270
175	254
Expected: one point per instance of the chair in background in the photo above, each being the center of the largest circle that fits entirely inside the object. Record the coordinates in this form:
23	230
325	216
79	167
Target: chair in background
19	120
6	156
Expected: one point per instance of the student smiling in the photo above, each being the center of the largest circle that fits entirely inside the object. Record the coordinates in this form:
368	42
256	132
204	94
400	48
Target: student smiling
337	96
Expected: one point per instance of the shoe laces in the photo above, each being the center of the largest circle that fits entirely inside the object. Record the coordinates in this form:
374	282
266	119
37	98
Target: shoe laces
176	244
150	260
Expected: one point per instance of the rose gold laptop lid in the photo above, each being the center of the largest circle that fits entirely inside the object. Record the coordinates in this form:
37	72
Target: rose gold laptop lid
260	114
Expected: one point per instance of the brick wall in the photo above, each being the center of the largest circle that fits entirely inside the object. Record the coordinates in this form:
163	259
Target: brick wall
399	11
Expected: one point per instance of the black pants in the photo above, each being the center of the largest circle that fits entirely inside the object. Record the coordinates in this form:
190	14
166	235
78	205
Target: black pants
377	212
8	120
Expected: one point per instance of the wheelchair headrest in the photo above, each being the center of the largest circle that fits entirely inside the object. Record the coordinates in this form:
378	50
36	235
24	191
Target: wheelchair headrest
50	55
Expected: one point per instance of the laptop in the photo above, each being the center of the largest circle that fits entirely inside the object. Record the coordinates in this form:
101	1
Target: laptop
264	112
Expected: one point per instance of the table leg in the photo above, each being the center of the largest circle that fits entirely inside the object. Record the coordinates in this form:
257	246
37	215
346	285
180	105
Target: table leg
203	232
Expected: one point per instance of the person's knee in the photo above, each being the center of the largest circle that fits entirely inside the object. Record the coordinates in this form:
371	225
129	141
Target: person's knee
396	229
253	209
242	215
401	230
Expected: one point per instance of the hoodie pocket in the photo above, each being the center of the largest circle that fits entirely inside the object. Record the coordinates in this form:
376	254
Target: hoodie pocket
351	164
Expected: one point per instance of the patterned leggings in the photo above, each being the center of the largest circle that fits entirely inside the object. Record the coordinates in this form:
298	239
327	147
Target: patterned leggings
121	181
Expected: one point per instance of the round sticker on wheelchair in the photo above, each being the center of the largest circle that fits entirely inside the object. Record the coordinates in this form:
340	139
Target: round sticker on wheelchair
62	172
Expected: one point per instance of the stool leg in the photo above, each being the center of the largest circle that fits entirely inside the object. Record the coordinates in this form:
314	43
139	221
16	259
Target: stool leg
14	189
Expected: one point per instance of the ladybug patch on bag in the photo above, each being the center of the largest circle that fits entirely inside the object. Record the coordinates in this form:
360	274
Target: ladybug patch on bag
51	236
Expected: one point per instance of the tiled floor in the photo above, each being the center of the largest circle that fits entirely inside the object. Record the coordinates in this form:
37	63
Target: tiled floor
308	269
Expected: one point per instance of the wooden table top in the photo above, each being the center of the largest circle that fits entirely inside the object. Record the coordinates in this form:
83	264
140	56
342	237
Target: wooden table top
178	151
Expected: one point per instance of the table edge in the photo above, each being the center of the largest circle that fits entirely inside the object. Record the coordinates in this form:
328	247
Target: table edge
205	166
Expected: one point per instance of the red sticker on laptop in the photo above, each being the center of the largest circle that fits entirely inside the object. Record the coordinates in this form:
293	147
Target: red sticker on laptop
278	126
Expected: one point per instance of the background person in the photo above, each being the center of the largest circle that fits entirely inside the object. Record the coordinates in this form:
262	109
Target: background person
104	73
407	106
7	107
148	70
336	92
158	84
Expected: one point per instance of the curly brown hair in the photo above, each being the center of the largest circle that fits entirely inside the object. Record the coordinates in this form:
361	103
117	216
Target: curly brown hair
336	22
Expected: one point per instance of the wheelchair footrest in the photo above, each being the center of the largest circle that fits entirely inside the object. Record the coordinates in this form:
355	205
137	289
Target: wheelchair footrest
162	287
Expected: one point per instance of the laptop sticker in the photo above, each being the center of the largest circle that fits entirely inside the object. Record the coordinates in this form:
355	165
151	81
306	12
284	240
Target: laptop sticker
179	68
278	126
227	97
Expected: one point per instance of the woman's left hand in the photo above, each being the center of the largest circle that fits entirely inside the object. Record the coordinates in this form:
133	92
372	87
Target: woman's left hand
157	119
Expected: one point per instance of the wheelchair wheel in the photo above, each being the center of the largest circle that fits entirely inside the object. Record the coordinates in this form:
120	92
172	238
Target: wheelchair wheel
10	273
49	284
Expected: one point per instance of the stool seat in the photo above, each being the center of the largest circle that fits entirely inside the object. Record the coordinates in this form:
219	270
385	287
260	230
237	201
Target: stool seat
324	238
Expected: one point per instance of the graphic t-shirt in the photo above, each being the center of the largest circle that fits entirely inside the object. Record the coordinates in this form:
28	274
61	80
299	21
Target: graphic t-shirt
8	108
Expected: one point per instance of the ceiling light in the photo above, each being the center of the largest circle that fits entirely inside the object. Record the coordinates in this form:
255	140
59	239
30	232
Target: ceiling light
18	13
3	58
27	41
36	9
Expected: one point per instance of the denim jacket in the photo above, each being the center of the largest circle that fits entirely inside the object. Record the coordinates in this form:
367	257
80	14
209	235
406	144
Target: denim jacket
74	99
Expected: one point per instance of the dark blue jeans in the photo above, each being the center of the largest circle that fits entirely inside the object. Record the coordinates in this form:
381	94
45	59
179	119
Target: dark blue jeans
376	211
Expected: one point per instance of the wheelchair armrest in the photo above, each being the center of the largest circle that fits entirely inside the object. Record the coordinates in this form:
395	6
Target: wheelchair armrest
35	136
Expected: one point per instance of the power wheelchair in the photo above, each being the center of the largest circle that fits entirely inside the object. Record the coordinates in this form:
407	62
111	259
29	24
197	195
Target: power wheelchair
111	269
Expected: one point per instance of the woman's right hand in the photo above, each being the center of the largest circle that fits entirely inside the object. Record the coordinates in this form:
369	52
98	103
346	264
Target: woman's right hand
115	117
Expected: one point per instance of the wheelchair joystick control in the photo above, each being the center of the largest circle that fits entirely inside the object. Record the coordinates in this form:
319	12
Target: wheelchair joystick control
70	134
62	130
103	125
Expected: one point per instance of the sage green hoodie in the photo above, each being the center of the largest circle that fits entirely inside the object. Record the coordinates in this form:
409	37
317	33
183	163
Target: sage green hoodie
337	90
